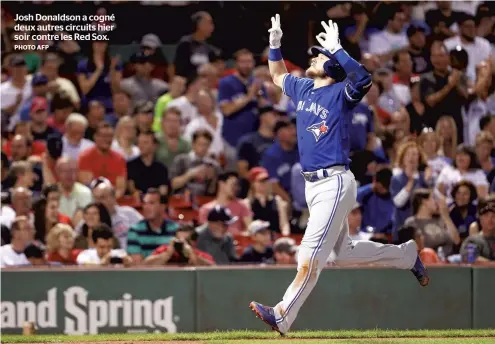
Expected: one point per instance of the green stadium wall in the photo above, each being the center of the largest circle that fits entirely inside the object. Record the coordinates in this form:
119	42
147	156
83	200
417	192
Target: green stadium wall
72	301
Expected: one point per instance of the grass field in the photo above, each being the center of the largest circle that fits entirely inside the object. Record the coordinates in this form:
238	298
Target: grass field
248	337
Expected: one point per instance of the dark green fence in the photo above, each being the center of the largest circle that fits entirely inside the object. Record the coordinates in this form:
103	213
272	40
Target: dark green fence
174	300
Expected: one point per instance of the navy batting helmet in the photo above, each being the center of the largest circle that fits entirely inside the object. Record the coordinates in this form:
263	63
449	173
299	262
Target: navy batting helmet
331	67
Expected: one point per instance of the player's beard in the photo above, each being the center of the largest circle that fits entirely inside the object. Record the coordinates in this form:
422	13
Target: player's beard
313	73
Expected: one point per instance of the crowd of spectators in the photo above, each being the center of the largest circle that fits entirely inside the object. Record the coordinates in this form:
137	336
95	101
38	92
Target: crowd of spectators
141	162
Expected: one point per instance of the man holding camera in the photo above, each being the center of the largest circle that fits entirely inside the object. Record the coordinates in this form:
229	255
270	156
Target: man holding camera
180	251
102	253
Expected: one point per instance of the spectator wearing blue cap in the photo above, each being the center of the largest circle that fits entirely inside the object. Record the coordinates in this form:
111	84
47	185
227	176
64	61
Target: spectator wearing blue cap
15	92
142	86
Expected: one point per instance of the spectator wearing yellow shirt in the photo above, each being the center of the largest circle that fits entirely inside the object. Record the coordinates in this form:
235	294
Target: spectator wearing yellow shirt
176	89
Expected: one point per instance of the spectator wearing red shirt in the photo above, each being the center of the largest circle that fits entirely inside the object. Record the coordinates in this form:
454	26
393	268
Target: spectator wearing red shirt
46	216
102	161
60	245
21	146
180	250
226	196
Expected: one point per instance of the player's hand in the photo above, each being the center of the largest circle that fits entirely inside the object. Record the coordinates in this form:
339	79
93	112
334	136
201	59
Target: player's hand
330	38
275	33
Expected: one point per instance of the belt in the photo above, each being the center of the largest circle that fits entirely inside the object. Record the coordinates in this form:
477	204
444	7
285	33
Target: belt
322	173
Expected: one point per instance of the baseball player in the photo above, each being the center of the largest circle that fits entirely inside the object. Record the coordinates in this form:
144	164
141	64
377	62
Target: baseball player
324	100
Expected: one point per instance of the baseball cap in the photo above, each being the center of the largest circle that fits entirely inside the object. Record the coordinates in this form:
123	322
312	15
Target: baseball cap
150	40
257	174
39	79
487	208
17	60
100	180
257	226
39	103
286	245
413	29
221	214
315	50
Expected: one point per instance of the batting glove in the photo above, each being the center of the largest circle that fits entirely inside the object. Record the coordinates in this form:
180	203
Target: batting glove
330	38
275	33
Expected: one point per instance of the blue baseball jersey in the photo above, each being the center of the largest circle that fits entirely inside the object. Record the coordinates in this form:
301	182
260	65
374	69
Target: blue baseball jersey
324	117
243	121
362	125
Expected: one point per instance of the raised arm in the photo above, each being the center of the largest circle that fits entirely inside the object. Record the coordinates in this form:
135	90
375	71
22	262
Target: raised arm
276	63
358	81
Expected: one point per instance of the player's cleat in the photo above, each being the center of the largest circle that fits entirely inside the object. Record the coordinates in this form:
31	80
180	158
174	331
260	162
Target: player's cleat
266	314
420	272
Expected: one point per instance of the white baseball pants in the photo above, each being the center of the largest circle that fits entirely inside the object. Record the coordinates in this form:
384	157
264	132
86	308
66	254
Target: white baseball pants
329	201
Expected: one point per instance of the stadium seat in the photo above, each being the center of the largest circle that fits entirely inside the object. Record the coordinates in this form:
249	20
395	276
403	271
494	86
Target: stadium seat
201	200
130	201
183	215
241	242
179	202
